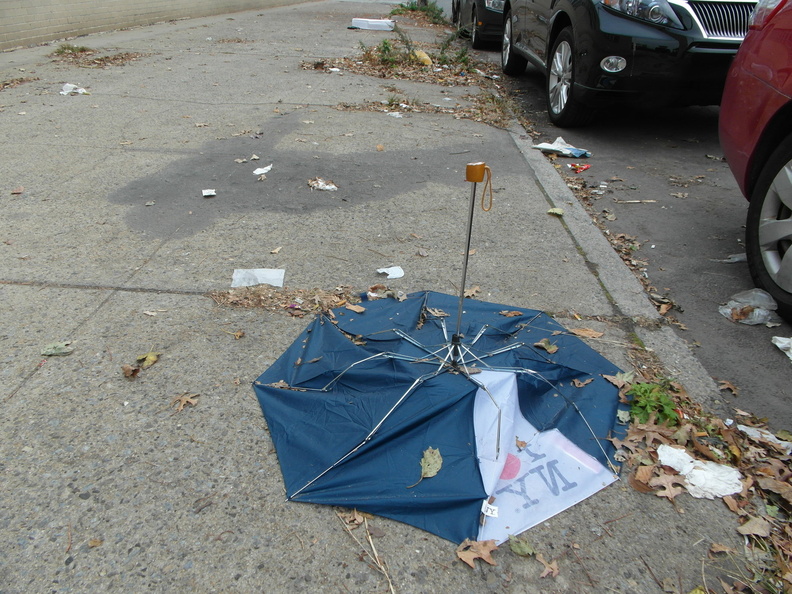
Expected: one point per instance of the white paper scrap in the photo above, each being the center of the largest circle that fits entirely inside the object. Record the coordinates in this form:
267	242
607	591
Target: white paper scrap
263	170
373	24
392	272
704	479
764	435
70	89
209	193
249	277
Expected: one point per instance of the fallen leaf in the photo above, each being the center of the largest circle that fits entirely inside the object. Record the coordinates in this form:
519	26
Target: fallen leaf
578	384
57	349
716	548
782	488
355	308
550	569
422	252
665	483
586	333
148	359
95	542
353	519
470	550
431	463
724	385
472	292
130	371
17	191
546	345
557	212
756	527
621	379
240	160
436	312
520	443
276	250
520	545
181	401
510	314
380	147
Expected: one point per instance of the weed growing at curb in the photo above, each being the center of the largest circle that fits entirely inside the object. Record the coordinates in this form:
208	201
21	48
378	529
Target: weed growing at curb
431	11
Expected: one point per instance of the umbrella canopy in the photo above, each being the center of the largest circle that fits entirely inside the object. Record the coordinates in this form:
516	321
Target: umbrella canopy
357	399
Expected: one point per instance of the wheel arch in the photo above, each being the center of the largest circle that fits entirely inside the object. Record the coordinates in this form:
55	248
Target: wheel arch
561	21
775	131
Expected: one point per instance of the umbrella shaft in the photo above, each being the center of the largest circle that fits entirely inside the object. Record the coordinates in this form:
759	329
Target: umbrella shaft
457	335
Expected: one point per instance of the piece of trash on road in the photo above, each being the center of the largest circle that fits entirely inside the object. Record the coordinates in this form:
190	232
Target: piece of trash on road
394	114
392	272
150	203
17	191
209	193
732	258
577	167
423	57
318	183
263	170
250	277
759	434
751	307
563	148
556	212
703	479
373	24
70	89
785	344
57	349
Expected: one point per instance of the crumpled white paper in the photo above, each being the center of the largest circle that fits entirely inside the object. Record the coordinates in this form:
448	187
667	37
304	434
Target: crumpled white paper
785	344
70	89
392	272
562	147
249	277
703	479
263	170
763	434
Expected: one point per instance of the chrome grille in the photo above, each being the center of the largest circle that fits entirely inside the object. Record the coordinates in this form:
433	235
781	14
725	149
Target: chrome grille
723	20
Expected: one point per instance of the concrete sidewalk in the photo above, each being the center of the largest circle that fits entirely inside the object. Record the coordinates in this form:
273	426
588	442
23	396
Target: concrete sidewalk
111	246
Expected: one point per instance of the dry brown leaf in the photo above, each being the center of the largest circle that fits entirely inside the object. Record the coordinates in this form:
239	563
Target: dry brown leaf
472	292
724	385
586	332
276	250
638	485
148	359
756	527
380	147
181	401
510	314
355	308
470	550
95	542
716	548
17	191
546	345
550	569
782	488
578	384
130	371
665	483
520	443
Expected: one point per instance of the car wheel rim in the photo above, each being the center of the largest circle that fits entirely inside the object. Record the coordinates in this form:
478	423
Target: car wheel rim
473	28
775	229
506	47
559	80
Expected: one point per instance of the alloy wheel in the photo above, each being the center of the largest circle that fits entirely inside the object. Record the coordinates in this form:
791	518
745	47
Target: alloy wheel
560	77
775	229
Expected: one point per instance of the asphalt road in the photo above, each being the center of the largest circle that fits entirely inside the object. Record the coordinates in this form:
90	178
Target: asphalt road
695	222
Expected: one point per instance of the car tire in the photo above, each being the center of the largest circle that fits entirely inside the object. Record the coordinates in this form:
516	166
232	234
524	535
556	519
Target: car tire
475	35
562	105
768	229
511	62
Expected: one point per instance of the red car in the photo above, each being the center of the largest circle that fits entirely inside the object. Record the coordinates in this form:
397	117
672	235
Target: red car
756	137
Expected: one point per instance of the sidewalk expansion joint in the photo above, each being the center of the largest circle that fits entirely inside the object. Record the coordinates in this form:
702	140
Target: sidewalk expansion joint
46	285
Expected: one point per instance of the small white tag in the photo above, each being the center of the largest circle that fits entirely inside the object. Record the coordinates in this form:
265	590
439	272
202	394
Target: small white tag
489	510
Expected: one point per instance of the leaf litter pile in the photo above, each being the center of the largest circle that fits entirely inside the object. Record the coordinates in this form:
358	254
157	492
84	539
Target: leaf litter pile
84	57
294	302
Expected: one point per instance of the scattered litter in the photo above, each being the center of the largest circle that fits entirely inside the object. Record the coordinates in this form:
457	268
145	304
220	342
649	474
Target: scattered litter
18	191
249	277
57	349
557	212
70	89
785	344
318	183
263	170
679	194
254	157
732	258
703	479
563	148
577	167
715	158
752	307
373	24
759	434
150	203
240	160
209	193
392	272
276	250
423	57
395	114
333	70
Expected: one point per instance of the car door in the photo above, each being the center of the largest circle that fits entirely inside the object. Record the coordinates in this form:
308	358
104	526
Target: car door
536	22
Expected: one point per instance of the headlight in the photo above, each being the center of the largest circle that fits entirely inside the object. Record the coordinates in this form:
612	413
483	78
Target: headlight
658	12
494	4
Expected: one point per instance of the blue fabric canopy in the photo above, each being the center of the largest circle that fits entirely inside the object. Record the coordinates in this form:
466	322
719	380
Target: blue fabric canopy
356	400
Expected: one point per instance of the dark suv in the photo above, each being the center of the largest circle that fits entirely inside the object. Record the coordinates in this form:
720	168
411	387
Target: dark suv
597	52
